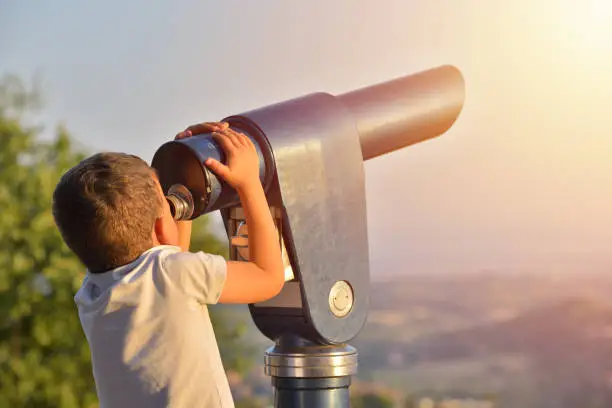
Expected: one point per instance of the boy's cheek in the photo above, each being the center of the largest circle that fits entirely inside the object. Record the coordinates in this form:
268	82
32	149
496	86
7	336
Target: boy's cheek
177	239
174	232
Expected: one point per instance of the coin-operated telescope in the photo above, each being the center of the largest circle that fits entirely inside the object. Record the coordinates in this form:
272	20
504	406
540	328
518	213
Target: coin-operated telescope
311	152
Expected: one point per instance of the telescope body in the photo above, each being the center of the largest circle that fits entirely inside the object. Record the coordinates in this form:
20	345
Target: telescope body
388	116
311	153
405	111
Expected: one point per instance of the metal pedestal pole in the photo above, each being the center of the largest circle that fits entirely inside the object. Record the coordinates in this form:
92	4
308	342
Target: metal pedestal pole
307	375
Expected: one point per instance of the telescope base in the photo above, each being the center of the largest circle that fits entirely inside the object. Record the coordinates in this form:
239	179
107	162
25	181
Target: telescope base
308	375
330	392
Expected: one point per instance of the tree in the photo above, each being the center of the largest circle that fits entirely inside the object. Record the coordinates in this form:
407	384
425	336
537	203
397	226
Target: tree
44	357
410	401
250	403
371	400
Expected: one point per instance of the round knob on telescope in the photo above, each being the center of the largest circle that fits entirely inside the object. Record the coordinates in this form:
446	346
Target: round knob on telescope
341	299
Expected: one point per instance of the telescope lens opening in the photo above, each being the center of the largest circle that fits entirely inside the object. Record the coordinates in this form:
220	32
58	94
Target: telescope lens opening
180	201
174	203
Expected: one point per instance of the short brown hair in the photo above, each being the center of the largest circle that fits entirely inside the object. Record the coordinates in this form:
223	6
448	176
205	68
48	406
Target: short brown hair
105	208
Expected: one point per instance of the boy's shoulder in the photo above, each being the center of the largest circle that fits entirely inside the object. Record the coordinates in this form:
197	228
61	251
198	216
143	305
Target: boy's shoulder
172	258
199	275
98	286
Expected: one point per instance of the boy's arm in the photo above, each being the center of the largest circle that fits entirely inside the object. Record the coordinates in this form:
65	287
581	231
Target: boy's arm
263	277
184	233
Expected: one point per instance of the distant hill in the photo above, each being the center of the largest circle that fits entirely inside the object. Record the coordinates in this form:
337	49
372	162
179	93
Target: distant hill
532	341
573	326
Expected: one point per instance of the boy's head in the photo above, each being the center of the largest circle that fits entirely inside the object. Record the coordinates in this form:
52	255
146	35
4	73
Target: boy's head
110	208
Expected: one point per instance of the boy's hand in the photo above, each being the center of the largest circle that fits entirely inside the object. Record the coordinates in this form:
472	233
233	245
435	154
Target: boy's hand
184	227
242	169
198	129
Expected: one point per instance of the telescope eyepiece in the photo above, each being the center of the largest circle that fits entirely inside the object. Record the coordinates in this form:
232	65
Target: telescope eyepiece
180	201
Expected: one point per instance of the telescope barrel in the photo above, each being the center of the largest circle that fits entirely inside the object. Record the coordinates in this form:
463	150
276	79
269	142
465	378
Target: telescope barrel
386	117
408	110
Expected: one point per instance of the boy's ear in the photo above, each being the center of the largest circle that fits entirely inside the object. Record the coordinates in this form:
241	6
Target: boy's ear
166	231
158	229
161	231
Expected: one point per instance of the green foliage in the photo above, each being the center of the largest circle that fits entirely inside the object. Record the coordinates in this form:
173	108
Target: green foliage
44	357
372	400
236	352
410	402
250	403
202	238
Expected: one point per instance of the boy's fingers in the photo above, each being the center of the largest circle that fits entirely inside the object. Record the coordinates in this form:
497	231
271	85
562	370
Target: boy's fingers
207	127
224	141
233	137
183	135
217	167
247	141
241	137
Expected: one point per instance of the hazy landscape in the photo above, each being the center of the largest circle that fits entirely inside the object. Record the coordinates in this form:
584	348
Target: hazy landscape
522	178
509	340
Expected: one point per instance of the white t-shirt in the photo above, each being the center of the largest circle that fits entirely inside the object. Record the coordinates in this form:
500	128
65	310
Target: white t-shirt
151	340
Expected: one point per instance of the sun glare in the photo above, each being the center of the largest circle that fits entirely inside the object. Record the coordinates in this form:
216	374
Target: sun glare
592	24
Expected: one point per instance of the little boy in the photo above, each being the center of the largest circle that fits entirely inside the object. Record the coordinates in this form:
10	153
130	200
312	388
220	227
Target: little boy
142	304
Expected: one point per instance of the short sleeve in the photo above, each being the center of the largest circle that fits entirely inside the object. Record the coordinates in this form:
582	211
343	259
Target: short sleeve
197	274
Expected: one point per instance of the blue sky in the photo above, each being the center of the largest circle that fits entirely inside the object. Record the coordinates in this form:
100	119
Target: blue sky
521	182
